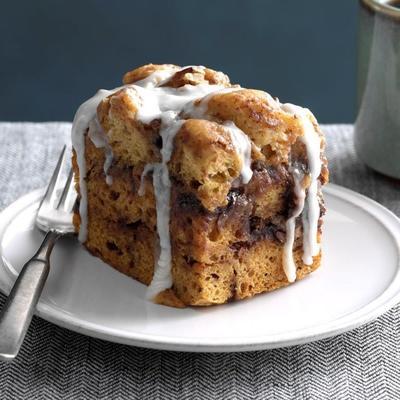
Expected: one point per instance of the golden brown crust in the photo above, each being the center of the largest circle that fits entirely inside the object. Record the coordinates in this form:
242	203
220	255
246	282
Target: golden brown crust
250	271
169	298
226	238
197	75
205	161
192	75
143	72
132	142
256	270
271	129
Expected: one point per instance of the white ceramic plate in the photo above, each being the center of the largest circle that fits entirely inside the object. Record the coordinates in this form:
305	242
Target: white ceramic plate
358	281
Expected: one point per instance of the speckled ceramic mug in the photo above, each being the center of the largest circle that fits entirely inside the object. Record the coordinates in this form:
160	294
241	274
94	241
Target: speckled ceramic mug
377	128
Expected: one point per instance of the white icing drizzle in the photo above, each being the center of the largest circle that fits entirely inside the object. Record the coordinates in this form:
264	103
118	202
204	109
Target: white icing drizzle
310	218
311	247
288	263
162	278
86	112
159	100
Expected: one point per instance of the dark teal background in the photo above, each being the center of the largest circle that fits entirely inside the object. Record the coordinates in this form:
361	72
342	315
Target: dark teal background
54	54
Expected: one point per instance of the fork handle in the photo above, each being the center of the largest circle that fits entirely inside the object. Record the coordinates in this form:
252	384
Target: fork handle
18	310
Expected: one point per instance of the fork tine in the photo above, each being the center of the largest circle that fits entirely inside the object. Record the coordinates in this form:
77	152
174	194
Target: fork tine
52	184
66	191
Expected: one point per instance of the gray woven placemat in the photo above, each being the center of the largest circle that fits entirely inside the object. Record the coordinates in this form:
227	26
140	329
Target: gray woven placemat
55	363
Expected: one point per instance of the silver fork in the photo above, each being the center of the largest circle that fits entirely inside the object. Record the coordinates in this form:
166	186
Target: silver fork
54	217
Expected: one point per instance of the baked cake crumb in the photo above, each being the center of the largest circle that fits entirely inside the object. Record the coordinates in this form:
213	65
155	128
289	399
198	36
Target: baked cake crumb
205	191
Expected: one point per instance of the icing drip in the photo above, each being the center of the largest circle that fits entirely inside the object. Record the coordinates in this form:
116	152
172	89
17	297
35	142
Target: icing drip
86	112
288	263
310	218
162	278
99	139
311	247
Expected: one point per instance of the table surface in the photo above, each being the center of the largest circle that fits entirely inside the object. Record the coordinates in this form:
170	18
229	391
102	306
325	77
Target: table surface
55	363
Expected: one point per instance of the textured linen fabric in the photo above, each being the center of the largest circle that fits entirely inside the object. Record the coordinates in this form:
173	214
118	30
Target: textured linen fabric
55	363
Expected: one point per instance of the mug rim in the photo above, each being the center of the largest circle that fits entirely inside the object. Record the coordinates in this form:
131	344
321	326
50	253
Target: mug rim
382	7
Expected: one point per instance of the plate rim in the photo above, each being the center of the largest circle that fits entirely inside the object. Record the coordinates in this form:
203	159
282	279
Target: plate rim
386	300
